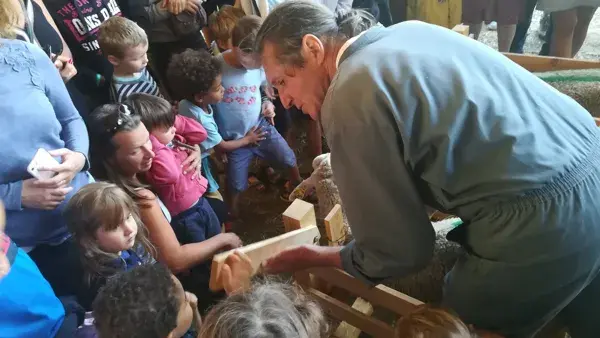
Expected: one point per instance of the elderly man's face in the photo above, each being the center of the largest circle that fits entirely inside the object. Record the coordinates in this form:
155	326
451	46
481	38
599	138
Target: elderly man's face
304	87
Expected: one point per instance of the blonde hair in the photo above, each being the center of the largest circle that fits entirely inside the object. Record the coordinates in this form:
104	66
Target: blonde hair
430	322
222	22
268	309
103	205
117	34
9	19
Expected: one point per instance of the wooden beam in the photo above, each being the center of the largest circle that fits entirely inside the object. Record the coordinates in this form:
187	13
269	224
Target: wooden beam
461	29
346	330
536	63
298	215
380	295
342	311
334	226
260	251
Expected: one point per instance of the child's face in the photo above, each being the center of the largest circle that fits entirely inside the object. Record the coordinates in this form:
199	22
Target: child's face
248	60
119	239
215	93
186	312
164	135
134	60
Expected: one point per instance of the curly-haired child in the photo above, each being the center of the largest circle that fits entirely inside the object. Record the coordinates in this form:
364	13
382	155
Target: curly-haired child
146	302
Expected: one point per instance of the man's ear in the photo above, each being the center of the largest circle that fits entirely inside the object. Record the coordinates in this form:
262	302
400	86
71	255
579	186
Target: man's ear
313	48
115	61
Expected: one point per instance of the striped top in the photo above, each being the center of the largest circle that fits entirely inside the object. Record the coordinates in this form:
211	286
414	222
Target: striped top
141	82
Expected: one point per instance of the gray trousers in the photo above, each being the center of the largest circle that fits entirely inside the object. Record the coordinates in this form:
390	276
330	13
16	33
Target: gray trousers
532	258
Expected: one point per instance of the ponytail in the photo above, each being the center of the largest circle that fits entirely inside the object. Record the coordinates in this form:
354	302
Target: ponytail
354	22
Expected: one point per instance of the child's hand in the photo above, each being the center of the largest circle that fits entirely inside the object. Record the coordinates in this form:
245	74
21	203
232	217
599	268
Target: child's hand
236	273
269	91
229	241
255	135
192	6
193	301
174	6
268	111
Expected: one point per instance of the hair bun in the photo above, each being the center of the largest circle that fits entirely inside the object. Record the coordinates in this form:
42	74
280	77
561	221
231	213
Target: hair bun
355	21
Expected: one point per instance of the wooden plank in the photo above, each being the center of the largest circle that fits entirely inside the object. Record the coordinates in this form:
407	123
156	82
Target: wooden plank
298	215
346	330
341	311
334	226
461	29
260	251
380	295
536	63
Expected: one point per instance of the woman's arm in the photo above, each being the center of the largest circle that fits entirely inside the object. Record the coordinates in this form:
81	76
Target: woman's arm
176	256
73	133
66	50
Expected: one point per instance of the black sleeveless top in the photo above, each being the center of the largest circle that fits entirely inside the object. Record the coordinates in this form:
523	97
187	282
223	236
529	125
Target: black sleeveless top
45	34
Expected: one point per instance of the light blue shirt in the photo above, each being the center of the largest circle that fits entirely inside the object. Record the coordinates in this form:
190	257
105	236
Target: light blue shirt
207	120
36	112
240	109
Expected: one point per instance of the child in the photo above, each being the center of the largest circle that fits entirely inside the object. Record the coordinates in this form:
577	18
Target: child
146	302
429	322
125	45
267	309
220	26
194	219
108	233
196	77
240	111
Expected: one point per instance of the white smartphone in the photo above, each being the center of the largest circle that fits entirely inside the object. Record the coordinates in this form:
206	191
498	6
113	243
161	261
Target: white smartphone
42	158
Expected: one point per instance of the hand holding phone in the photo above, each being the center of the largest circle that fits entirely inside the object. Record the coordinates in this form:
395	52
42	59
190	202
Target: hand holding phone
41	159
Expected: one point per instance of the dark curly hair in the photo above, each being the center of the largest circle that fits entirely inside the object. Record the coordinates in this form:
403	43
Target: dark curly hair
140	303
192	72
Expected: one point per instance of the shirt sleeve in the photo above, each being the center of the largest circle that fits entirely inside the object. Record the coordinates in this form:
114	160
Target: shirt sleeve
10	195
74	132
164	169
392	234
190	129
213	137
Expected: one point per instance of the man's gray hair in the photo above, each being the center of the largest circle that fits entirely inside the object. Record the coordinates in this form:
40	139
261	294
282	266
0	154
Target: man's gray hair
290	21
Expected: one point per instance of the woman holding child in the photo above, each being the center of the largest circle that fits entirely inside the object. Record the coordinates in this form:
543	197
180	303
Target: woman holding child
122	152
451	124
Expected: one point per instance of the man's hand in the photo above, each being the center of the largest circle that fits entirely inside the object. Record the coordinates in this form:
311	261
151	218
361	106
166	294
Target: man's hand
303	257
236	273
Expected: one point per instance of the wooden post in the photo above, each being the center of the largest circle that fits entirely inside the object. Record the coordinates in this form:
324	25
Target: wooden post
298	215
334	226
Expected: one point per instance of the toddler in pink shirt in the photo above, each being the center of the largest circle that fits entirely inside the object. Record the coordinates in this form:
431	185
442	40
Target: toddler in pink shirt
181	189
